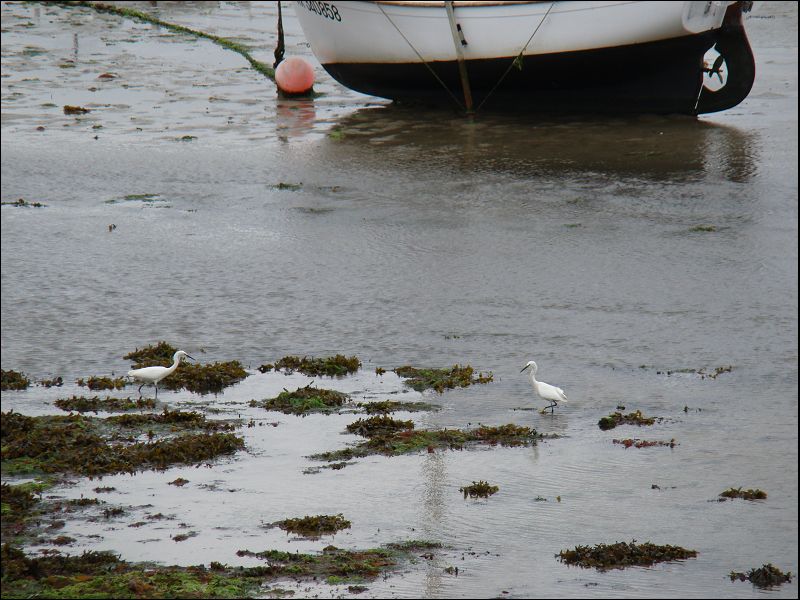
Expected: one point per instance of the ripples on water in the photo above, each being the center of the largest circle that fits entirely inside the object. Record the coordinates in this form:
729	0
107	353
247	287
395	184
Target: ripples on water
425	239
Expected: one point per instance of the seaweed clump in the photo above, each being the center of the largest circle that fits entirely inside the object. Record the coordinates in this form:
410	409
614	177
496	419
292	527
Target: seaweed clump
73	444
13	380
389	406
102	383
316	526
441	379
622	555
732	493
379	425
479	489
204	379
304	400
332	366
158	355
766	576
631	442
96	404
406	441
336	565
617	418
104	575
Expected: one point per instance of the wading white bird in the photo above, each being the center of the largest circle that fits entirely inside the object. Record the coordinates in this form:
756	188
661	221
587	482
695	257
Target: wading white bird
546	391
155	374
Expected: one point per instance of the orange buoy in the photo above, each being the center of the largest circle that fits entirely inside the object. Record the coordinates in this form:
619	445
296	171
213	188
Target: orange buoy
294	76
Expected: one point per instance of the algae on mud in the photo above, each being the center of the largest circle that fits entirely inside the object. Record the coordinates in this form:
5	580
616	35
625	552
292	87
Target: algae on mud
304	400
378	425
622	555
407	441
389	406
77	444
766	576
102	383
441	379
637	443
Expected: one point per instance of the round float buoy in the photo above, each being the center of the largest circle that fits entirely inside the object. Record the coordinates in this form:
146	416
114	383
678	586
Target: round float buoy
294	76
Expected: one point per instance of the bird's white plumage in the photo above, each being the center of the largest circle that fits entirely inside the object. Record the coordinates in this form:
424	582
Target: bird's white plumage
553	394
155	374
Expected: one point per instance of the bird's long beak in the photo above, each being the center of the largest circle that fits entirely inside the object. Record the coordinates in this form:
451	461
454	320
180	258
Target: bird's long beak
187	356
523	368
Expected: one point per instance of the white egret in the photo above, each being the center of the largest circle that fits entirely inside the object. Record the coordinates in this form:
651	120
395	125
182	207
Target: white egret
546	391
155	374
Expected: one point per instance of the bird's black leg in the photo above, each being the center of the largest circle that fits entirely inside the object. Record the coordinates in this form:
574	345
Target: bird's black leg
156	384
140	390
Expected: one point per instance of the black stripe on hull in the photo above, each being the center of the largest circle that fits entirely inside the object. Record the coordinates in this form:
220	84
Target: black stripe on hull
655	77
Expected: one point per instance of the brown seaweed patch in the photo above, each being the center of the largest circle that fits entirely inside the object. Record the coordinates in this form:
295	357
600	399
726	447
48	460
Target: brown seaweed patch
622	555
378	425
479	489
154	355
637	443
617	418
108	404
55	382
410	440
75	110
74	444
331	366
102	383
179	482
751	494
13	380
204	379
702	372
304	400
313	527
766	576
389	406
441	379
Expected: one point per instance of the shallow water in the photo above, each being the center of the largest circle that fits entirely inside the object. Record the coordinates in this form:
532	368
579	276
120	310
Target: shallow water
420	239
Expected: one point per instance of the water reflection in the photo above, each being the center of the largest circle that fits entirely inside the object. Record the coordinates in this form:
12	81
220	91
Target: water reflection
434	515
294	117
649	146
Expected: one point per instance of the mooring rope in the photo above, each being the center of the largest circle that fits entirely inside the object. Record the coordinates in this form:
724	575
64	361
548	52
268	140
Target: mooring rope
410	45
519	57
142	16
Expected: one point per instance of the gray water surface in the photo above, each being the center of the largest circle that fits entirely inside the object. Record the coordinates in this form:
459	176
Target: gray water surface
414	238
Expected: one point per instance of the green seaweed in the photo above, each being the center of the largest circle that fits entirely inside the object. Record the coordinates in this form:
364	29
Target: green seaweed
441	379
617	418
102	383
75	444
23	202
154	355
389	406
331	366
96	404
314	526
479	489
637	443
766	576
751	494
378	425
622	555
205	379
409	440
13	380
304	400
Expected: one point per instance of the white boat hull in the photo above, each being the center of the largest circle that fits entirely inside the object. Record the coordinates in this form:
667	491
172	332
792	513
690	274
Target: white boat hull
641	56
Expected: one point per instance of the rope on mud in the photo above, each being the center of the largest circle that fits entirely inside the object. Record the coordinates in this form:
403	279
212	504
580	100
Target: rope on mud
410	45
518	58
130	13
